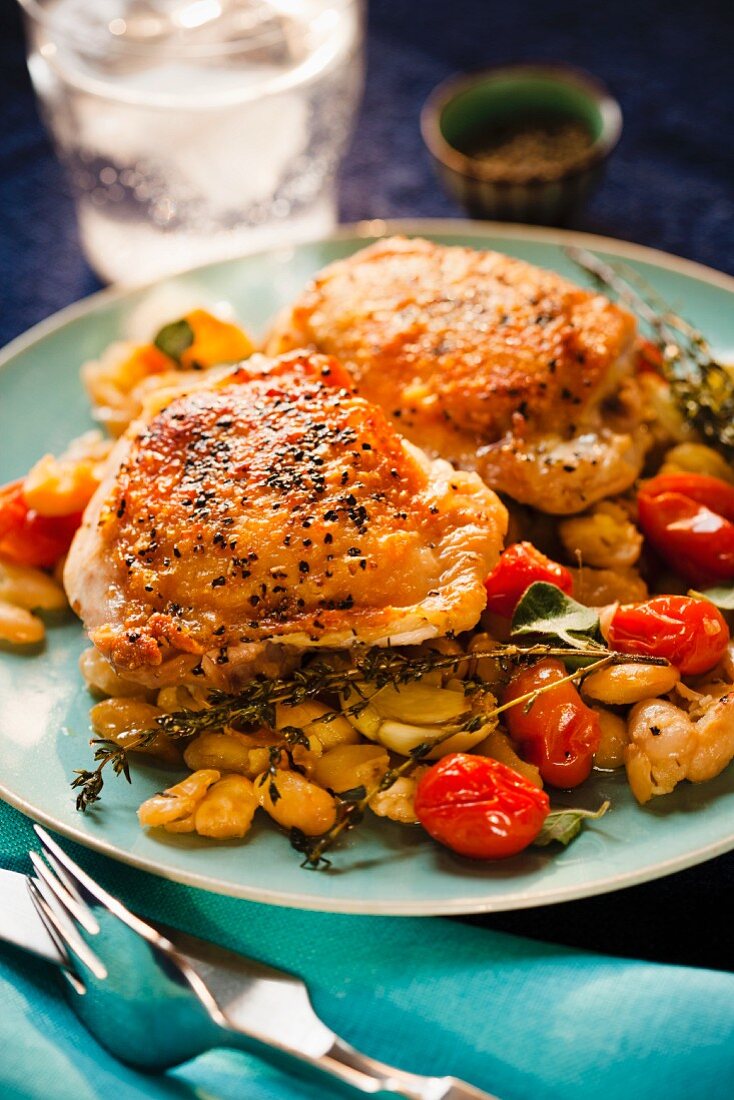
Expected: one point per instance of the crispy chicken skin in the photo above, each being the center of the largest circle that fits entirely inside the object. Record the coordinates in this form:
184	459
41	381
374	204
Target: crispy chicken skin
275	506
484	359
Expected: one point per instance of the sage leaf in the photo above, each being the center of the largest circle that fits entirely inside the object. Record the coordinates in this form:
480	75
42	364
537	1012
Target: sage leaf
564	825
546	612
174	339
722	596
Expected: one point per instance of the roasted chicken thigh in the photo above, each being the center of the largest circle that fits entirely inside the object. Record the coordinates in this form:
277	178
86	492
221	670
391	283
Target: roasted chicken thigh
273	510
495	364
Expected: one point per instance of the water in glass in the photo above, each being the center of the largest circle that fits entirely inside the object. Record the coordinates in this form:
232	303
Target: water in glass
196	129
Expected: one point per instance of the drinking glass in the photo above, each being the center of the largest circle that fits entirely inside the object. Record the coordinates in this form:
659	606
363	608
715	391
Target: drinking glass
196	130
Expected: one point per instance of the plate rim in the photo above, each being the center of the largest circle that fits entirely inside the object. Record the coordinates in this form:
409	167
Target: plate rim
376	228
505	903
366	229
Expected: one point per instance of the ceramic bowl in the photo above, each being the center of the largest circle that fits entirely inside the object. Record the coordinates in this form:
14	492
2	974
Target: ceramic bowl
459	109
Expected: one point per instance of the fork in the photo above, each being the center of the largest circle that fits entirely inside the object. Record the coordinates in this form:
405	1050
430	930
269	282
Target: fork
156	997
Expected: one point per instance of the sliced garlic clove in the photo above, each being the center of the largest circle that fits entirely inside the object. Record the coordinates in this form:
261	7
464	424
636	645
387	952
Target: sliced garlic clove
421	704
367	721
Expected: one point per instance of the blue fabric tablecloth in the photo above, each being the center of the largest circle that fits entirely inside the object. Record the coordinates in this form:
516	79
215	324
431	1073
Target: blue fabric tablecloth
524	1018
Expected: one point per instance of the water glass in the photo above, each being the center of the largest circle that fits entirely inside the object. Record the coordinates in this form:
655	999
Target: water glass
196	130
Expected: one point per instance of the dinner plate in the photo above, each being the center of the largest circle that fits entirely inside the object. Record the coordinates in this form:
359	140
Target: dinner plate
380	867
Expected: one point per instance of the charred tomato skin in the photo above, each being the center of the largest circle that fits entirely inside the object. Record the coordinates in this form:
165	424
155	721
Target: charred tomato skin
688	520
558	732
690	633
521	565
478	807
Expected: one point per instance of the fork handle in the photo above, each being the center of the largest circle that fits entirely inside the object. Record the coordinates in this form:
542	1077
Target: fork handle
308	1041
360	1073
372	1077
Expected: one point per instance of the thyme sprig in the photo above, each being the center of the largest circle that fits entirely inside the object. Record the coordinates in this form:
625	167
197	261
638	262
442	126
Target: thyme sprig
702	387
90	783
255	704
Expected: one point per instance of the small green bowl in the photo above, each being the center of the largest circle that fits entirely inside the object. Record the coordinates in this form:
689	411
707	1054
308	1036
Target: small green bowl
459	109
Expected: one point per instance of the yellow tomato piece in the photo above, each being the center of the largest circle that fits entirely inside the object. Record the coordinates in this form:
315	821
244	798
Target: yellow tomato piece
54	487
215	342
146	359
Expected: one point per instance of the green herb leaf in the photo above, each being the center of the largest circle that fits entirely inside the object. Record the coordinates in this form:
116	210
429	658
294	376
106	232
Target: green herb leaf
174	339
564	825
294	735
722	596
547	612
273	791
354	794
307	846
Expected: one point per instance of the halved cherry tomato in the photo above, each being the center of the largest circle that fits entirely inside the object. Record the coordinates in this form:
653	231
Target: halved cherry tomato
691	634
479	807
559	733
29	538
714	493
689	520
520	566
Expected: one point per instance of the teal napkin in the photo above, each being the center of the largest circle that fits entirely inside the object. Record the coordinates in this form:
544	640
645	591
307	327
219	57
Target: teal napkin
525	1020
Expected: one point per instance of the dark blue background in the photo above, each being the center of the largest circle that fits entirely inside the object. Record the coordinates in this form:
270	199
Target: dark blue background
669	185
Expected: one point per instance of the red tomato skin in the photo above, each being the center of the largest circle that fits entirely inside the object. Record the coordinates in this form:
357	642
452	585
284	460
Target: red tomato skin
13	508
28	538
691	634
688	519
712	492
559	734
520	566
696	542
478	807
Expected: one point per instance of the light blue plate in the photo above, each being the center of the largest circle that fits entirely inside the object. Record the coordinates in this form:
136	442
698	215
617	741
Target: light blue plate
380	868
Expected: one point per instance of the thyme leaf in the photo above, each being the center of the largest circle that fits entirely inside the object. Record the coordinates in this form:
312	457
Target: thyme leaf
354	794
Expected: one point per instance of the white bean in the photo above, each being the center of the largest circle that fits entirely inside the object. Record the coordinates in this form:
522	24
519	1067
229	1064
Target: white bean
631	682
30	588
18	626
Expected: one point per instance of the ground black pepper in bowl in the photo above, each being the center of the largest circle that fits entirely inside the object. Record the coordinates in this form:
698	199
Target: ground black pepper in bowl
534	146
521	142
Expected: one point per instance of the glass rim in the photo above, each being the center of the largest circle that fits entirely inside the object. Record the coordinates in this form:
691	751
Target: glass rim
46	17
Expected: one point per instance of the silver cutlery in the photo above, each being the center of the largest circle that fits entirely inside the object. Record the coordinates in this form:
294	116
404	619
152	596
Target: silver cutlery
156	997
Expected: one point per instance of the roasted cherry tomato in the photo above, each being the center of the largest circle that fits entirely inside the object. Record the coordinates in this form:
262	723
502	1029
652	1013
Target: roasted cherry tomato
29	538
689	520
479	807
558	733
691	634
520	566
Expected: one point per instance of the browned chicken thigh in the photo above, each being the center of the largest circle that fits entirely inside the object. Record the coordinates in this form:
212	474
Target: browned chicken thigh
493	363
273	509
